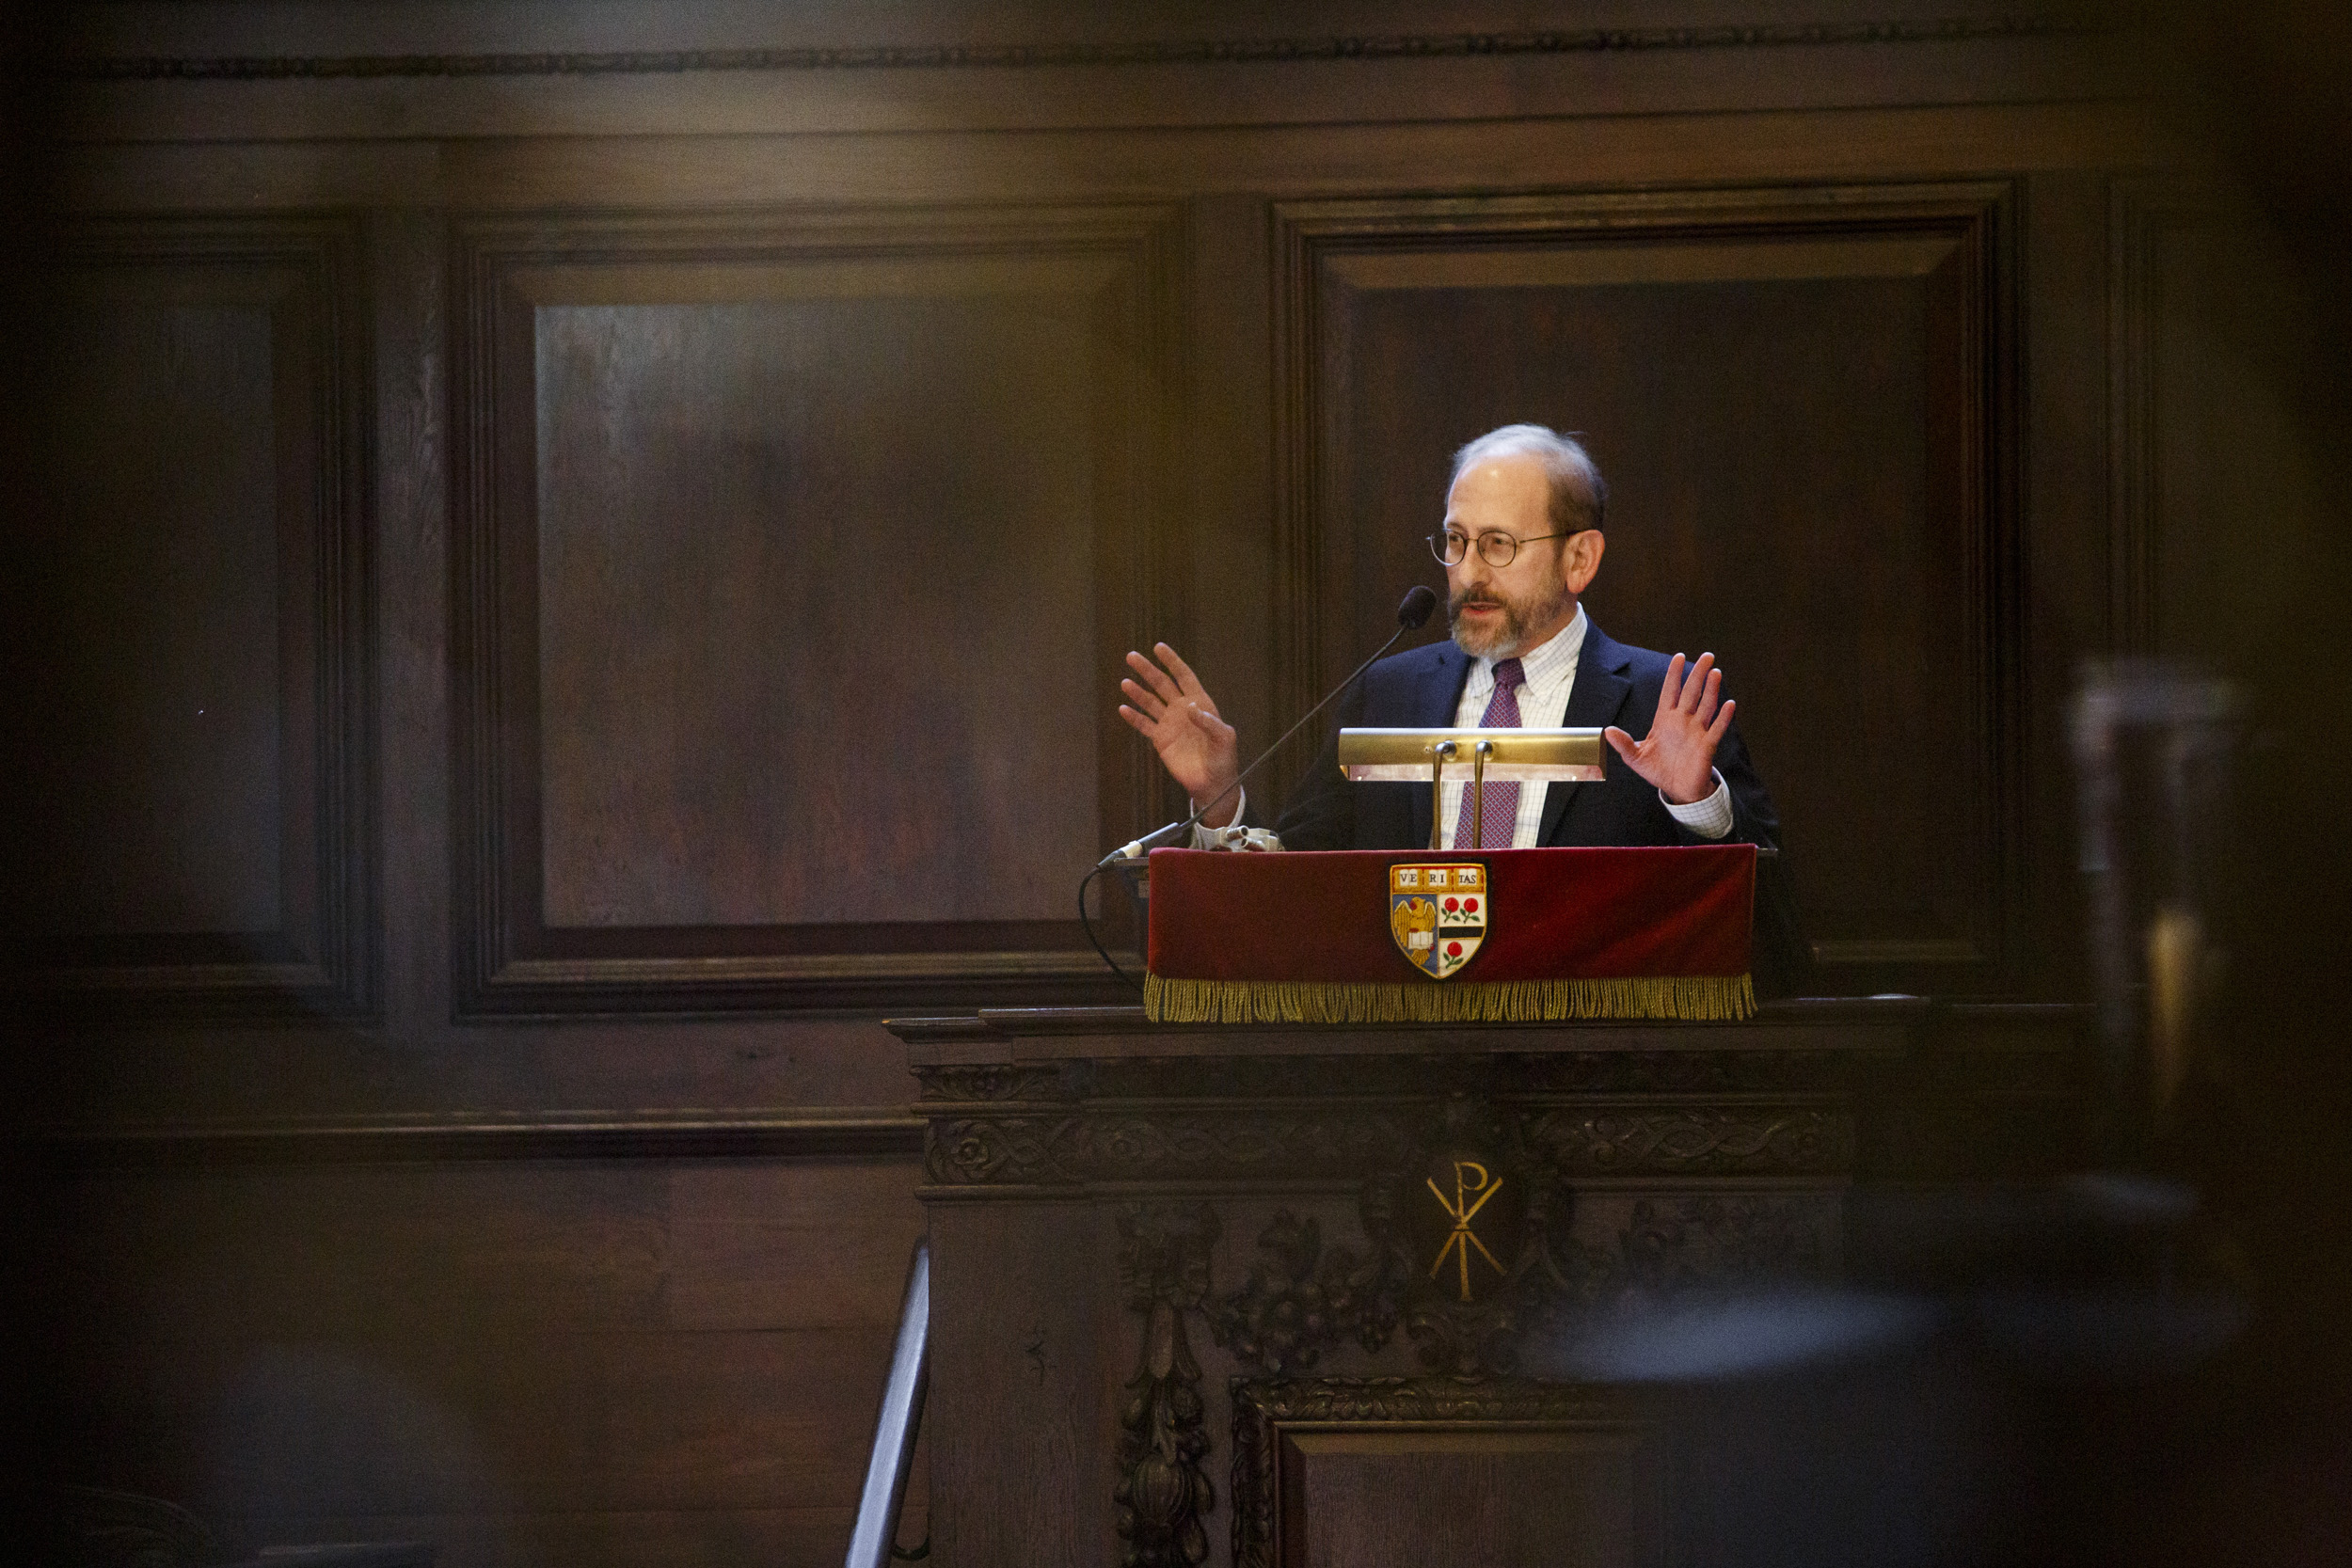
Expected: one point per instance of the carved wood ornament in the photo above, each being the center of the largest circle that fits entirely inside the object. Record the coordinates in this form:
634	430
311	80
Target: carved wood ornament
1163	1491
1468	1249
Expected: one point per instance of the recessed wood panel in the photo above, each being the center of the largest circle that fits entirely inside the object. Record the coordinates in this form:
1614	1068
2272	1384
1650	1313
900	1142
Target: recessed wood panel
815	609
1796	401
1372	1472
163	775
1370	1499
801	550
195	809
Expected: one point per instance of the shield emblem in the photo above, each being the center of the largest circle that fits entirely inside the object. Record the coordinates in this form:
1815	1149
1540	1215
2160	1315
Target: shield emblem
1438	916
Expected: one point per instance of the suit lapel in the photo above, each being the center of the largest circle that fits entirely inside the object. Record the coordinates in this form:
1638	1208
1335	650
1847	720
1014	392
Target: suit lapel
1595	701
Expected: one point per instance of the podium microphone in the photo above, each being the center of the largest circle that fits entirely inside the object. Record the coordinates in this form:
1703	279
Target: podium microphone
1412	615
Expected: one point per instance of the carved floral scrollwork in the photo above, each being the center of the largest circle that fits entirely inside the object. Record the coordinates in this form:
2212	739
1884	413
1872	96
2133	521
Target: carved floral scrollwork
1127	1147
1681	1072
1022	1148
1012	1151
1673	1244
1299	1301
993	1081
1302	1299
1790	1141
1018	1148
1163	1489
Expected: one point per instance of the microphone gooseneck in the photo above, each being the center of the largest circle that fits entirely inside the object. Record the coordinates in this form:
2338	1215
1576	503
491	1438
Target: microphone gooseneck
1413	613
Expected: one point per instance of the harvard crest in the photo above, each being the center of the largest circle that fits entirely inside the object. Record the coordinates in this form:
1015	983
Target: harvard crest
1438	914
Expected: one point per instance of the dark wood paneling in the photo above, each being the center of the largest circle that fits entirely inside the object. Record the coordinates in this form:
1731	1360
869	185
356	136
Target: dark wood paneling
2063	343
596	1355
2214	509
815	609
407	253
418	1234
198	811
1018	67
1480	1470
1801	400
1034	1345
669	1538
2154	228
796	554
1524	1493
406	1139
573	170
522	41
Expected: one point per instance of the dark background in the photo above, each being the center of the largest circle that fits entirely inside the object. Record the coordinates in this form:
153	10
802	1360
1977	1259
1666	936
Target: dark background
565	562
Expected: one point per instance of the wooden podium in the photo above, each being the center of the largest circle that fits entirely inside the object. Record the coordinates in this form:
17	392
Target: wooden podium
1291	1295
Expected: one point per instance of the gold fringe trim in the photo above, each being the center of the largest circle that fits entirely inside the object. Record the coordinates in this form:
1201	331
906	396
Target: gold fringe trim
1699	998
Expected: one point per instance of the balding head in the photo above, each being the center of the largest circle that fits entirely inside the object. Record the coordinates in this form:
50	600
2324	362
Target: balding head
1578	495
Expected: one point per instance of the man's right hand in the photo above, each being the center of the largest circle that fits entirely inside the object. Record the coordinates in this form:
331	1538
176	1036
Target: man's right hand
1197	748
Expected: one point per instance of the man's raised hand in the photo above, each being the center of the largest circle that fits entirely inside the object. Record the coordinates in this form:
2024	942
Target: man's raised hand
1679	753
1199	749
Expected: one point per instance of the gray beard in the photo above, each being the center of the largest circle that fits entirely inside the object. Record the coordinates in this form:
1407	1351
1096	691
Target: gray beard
1497	642
1502	642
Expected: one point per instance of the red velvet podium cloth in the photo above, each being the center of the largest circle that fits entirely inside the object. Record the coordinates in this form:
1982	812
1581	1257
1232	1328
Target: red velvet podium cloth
1305	938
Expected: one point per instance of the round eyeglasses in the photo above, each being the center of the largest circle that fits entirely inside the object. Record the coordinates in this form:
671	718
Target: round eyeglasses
1495	548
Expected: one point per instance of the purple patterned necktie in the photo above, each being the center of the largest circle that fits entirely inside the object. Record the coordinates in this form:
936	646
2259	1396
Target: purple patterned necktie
1501	815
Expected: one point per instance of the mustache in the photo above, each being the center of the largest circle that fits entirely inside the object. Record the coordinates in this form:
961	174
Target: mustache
1462	598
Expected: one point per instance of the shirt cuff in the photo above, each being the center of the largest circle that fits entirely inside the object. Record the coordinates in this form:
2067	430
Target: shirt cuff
1708	818
1233	835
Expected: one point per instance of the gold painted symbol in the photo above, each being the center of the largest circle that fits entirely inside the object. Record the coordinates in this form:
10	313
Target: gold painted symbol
1468	1197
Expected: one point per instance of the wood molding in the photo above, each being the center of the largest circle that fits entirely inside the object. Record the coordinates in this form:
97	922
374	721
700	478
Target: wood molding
935	58
1642	1137
2142	214
1974	485
1265	1534
508	961
443	1139
326	960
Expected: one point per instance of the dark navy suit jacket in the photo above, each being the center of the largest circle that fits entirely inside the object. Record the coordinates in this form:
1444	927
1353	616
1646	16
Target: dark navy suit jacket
1421	690
1614	685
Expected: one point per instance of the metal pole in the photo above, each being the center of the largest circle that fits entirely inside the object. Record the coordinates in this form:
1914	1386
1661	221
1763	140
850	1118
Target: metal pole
1437	754
877	1527
1478	793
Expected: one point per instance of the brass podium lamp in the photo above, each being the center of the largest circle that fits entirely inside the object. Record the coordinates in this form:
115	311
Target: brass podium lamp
1525	756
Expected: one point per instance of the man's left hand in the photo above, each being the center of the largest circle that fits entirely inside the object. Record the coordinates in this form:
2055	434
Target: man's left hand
1679	753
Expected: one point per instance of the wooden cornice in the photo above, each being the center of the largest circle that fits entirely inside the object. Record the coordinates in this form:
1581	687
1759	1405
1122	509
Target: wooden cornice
1246	51
790	1133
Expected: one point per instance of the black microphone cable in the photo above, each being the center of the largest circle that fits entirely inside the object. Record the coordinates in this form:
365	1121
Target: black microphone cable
1087	922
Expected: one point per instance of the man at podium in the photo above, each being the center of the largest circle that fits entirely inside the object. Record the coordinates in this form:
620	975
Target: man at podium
1522	542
